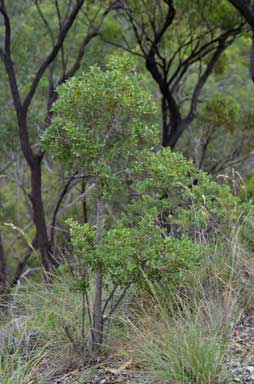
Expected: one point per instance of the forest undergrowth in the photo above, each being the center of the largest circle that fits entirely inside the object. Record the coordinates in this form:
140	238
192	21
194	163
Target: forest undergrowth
176	333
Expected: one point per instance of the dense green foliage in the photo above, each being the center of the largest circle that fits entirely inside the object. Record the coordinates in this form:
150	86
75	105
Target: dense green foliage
174	212
98	125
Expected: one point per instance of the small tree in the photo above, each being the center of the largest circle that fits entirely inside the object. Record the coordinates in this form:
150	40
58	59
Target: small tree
162	235
99	129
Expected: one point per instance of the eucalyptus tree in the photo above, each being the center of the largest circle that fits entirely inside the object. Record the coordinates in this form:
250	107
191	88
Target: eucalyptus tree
179	41
33	77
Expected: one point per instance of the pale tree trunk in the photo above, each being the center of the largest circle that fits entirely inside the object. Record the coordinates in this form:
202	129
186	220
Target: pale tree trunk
252	56
97	332
3	268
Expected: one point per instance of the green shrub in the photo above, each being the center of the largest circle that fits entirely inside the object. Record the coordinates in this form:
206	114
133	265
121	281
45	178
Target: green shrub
100	128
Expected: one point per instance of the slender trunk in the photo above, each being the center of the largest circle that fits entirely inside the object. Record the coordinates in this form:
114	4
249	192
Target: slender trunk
3	268
97	313
41	239
84	204
252	56
34	161
97	332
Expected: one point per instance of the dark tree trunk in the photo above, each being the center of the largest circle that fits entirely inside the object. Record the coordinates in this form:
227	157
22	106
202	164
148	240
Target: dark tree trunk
177	130
84	204
42	241
169	71
165	123
171	133
34	160
172	125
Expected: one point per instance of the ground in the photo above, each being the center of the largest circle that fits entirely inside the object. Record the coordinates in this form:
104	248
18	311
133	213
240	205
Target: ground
239	363
240	359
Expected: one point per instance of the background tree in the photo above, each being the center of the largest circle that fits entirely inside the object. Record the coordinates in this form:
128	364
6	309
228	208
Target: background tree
65	15
176	39
221	137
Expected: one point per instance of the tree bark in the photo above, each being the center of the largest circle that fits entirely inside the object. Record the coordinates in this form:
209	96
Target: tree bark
97	332
3	268
84	204
252	56
42	241
245	9
34	160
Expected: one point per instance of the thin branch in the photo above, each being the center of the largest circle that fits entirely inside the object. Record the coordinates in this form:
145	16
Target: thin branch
115	306
10	70
118	45
229	160
45	22
6	166
68	9
20	268
59	18
7	25
57	207
88	309
109	298
205	146
77	199
223	44
69	336
75	67
52	55
84	44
